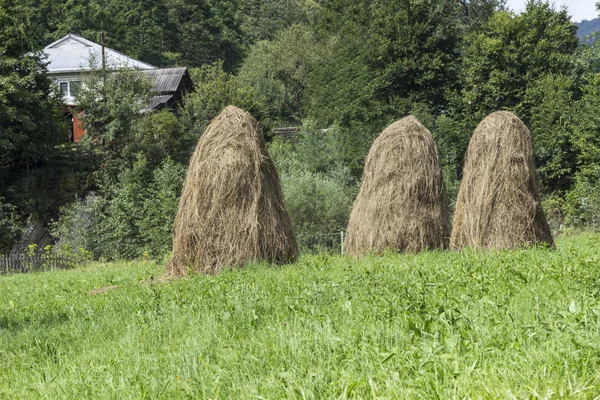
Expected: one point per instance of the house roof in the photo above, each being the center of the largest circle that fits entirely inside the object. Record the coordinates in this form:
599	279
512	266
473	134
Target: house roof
170	84
168	79
157	102
72	53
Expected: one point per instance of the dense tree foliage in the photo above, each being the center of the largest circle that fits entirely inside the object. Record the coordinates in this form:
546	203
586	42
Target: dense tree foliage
510	53
162	33
34	168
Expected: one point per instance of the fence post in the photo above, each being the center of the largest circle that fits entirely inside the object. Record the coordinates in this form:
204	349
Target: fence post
342	237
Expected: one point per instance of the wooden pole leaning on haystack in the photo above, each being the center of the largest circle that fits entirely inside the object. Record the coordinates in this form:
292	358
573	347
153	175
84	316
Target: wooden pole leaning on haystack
498	204
231	210
402	203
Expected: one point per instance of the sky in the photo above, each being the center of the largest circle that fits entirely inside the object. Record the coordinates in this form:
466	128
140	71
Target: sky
579	9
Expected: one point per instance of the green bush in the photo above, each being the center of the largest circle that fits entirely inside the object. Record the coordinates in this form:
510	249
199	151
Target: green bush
132	219
553	117
319	189
583	201
159	135
319	206
214	90
10	226
138	215
555	210
74	228
116	230
160	207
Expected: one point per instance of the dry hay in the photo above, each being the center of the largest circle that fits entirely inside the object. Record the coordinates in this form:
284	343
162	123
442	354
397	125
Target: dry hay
231	210
402	203
498	203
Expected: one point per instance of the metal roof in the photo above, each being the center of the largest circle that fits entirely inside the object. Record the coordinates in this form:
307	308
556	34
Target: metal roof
167	79
72	53
157	102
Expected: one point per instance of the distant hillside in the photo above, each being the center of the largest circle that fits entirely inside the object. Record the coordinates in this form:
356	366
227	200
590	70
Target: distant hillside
586	28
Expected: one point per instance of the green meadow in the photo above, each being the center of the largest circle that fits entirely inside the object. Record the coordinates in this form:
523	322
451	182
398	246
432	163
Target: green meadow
506	324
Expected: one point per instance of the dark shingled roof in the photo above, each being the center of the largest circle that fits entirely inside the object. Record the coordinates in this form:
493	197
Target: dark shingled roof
169	87
157	102
167	79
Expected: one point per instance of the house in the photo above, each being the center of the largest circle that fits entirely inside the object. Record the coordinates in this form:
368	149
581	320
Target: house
170	85
69	60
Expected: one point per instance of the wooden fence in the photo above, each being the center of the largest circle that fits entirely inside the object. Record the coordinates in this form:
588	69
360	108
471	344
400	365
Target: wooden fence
39	262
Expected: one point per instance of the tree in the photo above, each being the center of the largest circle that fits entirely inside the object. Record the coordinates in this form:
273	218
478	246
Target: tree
318	189
30	115
279	71
29	110
552	102
110	103
510	53
10	226
214	90
264	19
587	129
476	12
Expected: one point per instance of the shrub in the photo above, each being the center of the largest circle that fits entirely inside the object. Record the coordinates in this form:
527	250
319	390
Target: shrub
317	185
583	201
133	217
10	226
74	228
214	90
319	205
160	207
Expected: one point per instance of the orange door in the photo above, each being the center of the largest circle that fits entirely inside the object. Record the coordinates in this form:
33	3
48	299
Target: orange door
78	130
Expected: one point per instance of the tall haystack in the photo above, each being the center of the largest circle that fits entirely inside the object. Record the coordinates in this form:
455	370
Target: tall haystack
231	210
498	203
402	203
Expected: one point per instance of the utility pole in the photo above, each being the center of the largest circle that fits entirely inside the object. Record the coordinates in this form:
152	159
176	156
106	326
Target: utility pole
103	54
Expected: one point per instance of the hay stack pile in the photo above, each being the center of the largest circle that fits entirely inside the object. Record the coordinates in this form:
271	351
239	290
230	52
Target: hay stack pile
498	203
402	203
231	210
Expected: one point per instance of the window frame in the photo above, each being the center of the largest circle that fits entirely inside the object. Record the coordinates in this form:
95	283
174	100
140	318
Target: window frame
60	88
68	94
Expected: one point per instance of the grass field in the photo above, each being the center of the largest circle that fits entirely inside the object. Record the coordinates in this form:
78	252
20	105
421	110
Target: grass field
520	324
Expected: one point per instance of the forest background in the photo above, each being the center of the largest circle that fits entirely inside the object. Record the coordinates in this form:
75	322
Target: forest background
340	70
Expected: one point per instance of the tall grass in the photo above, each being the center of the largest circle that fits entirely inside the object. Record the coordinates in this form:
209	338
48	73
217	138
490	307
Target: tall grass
508	324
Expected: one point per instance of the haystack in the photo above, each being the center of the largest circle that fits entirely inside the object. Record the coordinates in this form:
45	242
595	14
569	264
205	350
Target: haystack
498	203
231	210
402	203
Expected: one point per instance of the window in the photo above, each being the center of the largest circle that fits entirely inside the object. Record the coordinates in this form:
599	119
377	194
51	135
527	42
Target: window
69	88
74	88
64	88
